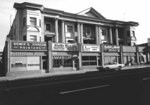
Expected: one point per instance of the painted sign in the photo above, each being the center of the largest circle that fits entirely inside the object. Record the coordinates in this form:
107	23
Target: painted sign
91	48
64	47
111	48
16	45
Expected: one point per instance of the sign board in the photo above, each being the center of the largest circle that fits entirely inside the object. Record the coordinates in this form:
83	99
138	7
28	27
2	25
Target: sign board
37	46
111	48
148	41
64	47
91	48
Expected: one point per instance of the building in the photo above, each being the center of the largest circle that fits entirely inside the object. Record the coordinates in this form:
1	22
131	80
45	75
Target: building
53	40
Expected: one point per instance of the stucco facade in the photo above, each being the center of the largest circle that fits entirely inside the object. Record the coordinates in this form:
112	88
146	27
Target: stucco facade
34	22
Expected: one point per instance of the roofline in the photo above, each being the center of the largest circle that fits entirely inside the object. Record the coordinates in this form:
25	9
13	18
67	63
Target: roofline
67	14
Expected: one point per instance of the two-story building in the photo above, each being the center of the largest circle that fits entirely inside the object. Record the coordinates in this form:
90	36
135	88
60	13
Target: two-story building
73	41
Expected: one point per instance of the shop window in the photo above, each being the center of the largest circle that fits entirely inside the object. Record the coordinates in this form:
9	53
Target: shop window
110	60
89	36
33	21
18	63
62	61
33	38
89	60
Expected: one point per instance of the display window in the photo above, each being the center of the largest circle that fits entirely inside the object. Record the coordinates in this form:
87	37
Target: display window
62	61
89	60
110	59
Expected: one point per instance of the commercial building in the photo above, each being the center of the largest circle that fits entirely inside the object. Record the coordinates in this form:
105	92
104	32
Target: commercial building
49	40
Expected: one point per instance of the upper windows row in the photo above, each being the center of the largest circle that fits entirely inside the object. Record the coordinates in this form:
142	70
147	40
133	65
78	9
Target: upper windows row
33	21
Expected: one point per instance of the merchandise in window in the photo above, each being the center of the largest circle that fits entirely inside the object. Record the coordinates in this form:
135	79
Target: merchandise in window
62	61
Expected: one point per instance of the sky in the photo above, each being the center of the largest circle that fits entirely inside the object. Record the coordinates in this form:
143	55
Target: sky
125	10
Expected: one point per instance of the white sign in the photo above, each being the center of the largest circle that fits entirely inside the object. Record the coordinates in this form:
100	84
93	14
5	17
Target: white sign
64	47
91	48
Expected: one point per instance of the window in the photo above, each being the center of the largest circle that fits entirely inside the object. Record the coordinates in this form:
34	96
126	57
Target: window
104	32
89	60
24	38
62	61
32	21
49	24
70	34
110	59
33	38
89	35
69	30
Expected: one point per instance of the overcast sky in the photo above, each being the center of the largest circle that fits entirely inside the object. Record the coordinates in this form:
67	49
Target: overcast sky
126	10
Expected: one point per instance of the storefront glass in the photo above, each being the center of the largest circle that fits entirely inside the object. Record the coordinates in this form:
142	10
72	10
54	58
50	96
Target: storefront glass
110	59
89	60
62	61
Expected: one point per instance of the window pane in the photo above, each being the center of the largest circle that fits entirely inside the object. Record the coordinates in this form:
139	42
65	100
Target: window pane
32	21
89	60
33	38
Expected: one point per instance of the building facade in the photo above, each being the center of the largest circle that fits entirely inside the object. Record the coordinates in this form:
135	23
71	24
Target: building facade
53	40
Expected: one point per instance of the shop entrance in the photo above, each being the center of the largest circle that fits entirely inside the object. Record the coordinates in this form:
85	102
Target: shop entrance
44	60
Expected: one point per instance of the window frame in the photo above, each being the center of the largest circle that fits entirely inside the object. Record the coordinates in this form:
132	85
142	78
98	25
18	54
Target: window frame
33	21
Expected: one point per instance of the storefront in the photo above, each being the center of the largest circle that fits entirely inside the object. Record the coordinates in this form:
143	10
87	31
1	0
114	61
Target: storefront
111	54
64	56
129	55
142	55
90	56
27	56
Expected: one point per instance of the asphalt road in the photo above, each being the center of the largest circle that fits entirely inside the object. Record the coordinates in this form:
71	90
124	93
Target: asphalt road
126	87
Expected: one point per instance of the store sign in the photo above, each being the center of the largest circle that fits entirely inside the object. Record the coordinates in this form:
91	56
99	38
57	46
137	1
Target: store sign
64	47
27	53
91	48
29	46
111	48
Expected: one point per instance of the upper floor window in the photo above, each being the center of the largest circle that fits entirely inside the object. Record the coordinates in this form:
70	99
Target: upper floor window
69	30
89	35
70	33
33	38
104	32
33	21
49	24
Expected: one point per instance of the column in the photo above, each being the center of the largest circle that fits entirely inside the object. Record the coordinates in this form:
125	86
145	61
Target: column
100	34
81	40
116	30
79	32
50	60
137	55
56	30
8	64
97	34
110	35
63	31
102	55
